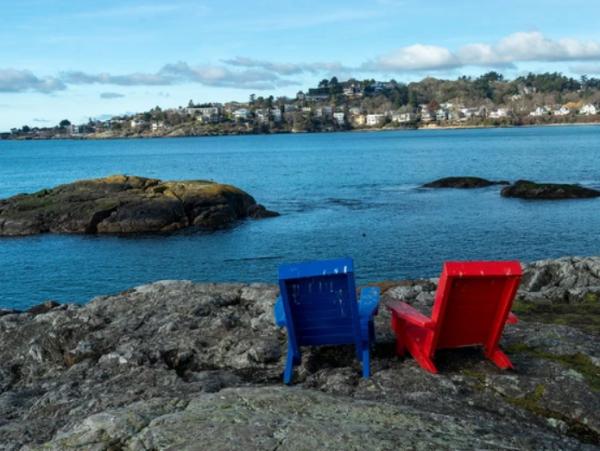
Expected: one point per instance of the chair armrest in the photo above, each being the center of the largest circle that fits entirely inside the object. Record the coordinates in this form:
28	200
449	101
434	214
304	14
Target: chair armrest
512	318
410	314
369	302
279	312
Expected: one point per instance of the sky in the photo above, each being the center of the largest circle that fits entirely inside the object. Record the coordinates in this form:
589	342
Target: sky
74	59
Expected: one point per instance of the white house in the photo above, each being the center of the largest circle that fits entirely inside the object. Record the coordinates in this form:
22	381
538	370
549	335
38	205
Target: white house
135	123
262	115
207	111
499	113
441	114
468	113
588	110
562	111
426	115
353	90
375	119
276	114
539	111
339	117
211	112
241	114
72	129
404	117
157	126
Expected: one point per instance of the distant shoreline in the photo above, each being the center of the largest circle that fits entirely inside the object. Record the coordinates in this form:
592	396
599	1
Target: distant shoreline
360	130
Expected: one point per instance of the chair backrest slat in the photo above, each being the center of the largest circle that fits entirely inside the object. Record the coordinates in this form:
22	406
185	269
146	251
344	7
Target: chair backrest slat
320	300
472	302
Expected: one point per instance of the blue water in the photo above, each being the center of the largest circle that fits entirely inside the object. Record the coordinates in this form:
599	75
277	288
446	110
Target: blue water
345	194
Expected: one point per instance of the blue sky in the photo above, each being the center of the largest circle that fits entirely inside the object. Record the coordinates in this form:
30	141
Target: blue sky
72	59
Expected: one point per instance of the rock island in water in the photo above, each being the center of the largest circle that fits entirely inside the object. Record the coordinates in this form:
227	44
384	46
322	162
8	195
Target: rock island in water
123	204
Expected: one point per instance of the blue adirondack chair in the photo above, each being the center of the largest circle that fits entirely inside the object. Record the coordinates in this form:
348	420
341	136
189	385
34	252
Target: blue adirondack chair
318	306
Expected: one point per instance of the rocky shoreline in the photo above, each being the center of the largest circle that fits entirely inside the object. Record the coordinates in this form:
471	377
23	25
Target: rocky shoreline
178	365
182	134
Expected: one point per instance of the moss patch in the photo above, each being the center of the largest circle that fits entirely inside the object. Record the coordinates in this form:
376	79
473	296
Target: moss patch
531	403
531	400
591	298
584	316
578	362
477	376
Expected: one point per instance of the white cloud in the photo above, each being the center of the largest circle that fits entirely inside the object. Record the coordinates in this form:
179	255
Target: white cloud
224	77
14	80
181	72
481	55
415	57
259	74
134	79
111	95
534	46
517	47
286	68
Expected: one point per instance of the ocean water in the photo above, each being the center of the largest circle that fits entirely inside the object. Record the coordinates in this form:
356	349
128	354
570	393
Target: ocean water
340	194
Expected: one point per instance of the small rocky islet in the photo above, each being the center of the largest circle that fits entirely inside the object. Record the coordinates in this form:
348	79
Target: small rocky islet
180	365
463	183
523	189
124	204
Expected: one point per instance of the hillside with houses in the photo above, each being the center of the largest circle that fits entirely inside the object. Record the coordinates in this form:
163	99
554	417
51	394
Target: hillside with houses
489	100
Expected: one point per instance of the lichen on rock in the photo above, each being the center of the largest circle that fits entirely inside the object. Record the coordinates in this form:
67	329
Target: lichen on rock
123	204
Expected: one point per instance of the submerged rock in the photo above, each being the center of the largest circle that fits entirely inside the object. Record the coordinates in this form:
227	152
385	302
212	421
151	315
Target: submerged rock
124	204
179	365
525	189
463	182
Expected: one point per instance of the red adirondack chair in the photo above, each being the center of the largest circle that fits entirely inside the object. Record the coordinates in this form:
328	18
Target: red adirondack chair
472	304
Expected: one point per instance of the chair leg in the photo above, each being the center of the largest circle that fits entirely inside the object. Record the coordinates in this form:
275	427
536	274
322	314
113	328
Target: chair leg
366	363
499	358
425	362
358	353
291	360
